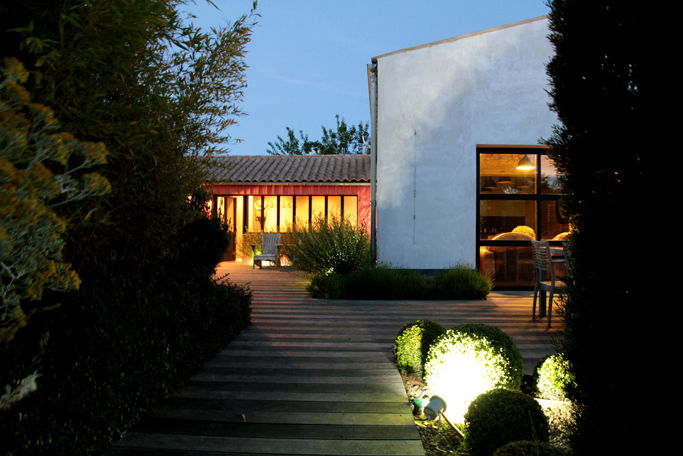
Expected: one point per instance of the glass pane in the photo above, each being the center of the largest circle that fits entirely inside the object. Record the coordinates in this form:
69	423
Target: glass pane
555	225
220	208
302	212
550	181
334	209
508	266
498	220
507	173
286	213
317	208
256	214
351	210
270	214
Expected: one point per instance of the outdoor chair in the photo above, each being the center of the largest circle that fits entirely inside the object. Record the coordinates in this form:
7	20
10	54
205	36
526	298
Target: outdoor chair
270	250
545	275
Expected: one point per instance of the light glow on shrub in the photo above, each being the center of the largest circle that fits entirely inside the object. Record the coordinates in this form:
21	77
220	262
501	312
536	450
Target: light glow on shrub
459	380
461	365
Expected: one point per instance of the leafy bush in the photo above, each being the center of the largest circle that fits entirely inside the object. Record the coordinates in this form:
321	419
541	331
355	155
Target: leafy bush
412	344
329	246
462	282
468	360
554	377
530	448
370	283
500	416
201	245
41	168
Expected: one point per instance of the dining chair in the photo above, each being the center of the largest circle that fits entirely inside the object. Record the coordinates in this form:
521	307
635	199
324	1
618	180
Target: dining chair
545	276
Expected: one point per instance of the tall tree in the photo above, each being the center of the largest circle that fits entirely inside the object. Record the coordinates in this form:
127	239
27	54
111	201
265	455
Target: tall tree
158	93
613	147
344	139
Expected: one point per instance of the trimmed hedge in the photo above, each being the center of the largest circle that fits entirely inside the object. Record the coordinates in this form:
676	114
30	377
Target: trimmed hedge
382	282
370	283
115	347
111	357
500	416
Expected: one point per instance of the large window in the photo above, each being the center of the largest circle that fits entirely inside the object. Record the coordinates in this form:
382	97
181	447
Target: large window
277	213
518	200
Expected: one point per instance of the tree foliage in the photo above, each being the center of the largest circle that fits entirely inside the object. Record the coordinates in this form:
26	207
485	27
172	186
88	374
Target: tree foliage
613	147
344	140
141	81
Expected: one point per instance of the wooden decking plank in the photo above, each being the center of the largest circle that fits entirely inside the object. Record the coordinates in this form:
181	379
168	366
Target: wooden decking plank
273	446
261	405
270	387
303	363
289	417
282	353
254	429
204	393
302	380
323	370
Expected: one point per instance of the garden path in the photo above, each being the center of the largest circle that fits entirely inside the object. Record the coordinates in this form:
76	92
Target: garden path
312	376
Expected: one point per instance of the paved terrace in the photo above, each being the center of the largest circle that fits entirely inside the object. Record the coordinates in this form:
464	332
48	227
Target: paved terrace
312	376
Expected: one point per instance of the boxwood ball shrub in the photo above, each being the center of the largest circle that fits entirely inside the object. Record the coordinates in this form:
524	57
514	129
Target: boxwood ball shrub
554	377
469	360
530	448
500	416
412	344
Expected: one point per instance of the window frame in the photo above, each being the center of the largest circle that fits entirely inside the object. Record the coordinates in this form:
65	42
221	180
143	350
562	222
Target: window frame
538	196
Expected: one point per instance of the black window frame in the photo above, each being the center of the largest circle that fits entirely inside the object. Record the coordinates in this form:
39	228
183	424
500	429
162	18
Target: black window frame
538	197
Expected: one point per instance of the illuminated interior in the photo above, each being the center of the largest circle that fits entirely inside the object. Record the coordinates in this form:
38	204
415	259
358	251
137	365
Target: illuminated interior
518	187
244	214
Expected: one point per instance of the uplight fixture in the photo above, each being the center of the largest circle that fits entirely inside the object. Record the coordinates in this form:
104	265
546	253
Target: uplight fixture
435	407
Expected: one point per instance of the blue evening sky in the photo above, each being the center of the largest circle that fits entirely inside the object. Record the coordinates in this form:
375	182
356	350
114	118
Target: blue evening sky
308	58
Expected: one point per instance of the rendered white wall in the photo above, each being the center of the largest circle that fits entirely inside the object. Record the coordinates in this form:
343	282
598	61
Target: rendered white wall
435	105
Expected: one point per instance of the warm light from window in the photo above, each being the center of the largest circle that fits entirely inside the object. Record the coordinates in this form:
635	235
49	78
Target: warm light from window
525	164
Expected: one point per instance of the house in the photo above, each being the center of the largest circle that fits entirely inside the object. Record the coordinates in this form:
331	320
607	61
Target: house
272	193
453	122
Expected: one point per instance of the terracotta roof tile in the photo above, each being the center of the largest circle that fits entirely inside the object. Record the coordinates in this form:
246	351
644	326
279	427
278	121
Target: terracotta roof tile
254	169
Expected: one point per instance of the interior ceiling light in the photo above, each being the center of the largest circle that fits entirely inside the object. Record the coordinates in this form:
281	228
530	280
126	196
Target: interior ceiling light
525	164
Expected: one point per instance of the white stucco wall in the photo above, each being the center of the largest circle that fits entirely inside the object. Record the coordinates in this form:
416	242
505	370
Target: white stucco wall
435	104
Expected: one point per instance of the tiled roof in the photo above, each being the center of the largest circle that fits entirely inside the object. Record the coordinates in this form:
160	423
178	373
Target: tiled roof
260	169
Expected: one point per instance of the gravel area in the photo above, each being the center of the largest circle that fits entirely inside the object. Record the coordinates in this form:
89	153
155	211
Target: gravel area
440	439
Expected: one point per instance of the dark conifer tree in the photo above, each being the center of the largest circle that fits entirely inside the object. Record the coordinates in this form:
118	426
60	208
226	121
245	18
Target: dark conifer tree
615	144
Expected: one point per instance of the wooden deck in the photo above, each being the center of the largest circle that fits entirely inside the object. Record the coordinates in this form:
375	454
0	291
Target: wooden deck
313	376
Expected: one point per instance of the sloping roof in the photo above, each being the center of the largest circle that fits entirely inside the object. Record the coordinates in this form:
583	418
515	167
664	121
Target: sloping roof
448	40
286	169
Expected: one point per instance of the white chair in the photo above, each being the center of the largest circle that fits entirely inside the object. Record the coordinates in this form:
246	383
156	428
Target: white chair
270	250
545	275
